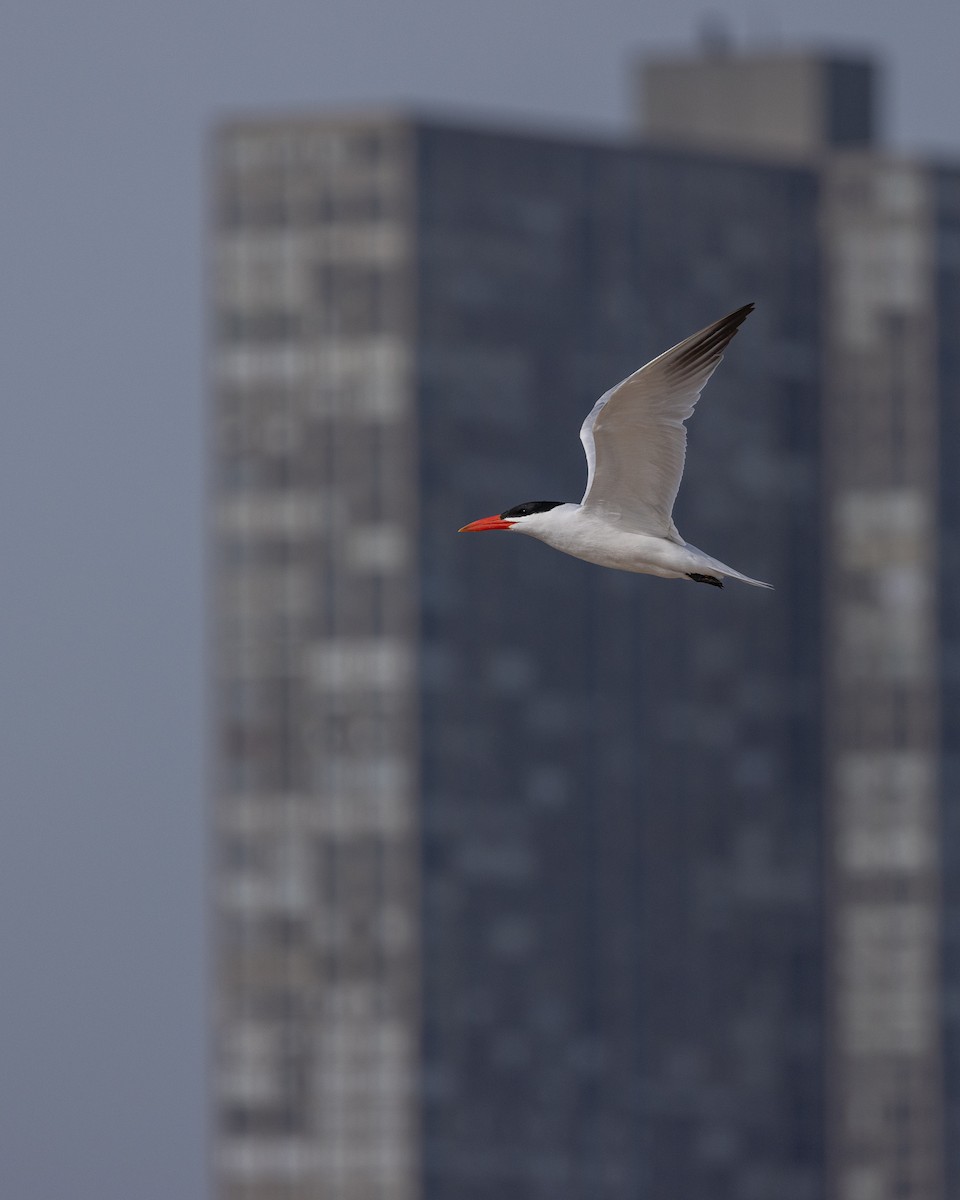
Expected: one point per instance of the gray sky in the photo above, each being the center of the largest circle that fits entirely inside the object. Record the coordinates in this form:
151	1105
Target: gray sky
106	104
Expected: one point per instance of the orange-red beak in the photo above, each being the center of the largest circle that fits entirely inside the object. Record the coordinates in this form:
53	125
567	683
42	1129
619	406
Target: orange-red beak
494	522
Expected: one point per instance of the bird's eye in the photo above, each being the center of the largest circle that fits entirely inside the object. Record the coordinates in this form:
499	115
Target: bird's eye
531	506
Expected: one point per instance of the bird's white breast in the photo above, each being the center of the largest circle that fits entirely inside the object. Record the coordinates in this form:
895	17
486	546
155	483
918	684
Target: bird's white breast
584	534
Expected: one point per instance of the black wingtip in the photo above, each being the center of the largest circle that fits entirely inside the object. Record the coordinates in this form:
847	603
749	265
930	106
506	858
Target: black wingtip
707	346
732	321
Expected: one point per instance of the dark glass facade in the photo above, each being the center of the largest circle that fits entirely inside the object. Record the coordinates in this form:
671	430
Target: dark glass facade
622	908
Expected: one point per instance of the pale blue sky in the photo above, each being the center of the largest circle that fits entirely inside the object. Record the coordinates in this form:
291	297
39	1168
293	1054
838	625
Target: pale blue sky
105	106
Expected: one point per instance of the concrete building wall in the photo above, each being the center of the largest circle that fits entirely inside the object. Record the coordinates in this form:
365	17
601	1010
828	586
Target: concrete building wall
316	887
945	202
788	105
882	730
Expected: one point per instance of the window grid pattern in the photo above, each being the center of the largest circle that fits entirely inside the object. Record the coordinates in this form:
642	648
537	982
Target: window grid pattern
316	883
882	700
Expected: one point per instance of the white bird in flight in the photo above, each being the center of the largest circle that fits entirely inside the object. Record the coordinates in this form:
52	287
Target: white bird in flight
635	442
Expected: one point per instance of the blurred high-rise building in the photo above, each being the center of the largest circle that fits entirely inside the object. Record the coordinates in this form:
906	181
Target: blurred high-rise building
534	879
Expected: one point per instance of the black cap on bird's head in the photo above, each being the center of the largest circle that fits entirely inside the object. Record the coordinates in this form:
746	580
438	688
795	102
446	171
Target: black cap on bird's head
504	520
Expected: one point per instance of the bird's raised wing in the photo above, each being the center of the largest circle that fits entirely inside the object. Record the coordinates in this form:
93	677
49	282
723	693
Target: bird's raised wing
634	437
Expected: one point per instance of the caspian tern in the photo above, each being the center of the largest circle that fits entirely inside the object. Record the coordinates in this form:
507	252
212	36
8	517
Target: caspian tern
635	442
